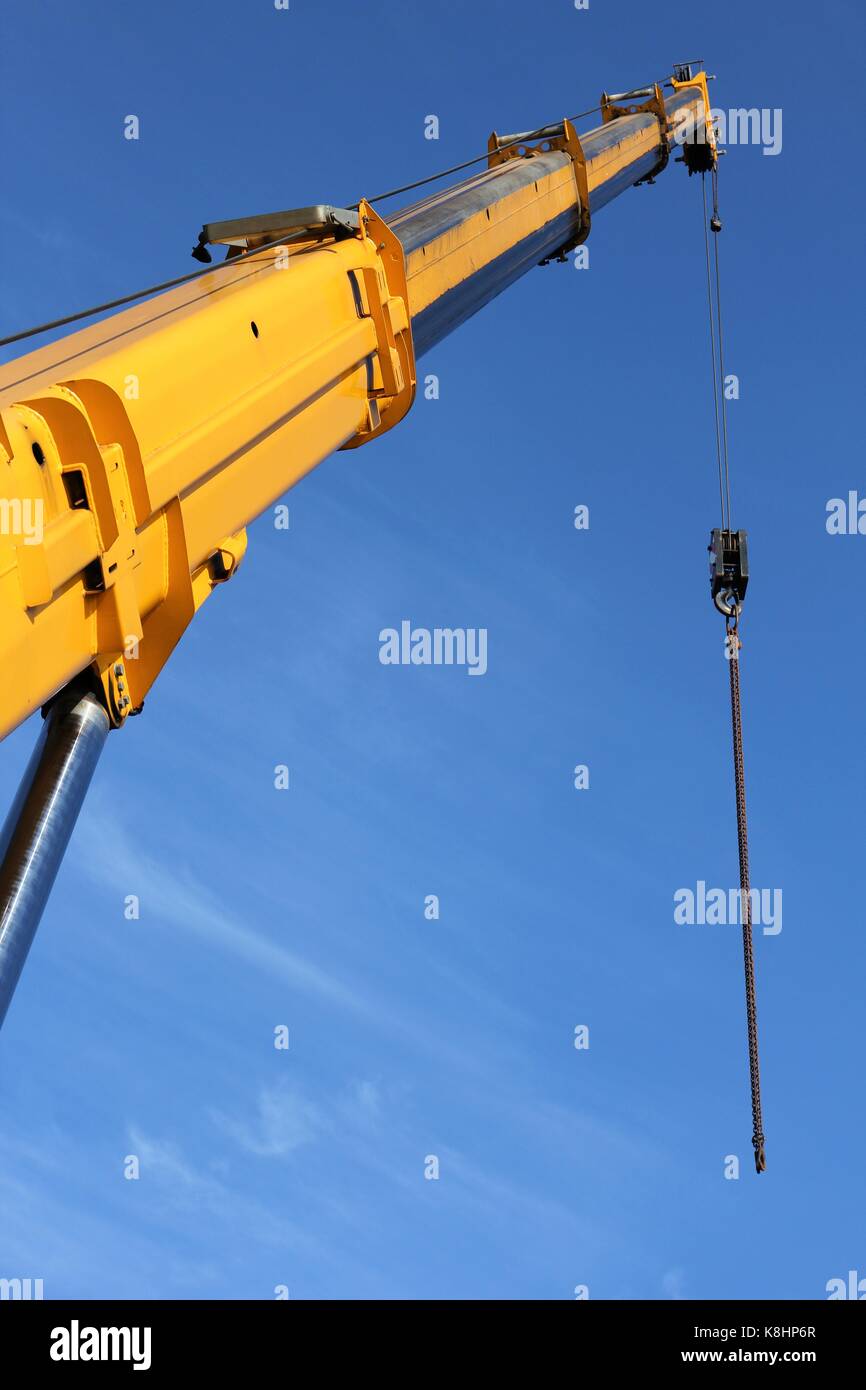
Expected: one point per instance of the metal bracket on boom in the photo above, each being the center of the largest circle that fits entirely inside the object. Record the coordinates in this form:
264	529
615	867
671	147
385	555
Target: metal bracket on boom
381	293
611	110
561	136
654	105
239	234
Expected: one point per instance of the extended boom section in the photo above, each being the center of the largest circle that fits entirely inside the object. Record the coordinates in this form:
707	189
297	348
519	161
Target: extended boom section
467	244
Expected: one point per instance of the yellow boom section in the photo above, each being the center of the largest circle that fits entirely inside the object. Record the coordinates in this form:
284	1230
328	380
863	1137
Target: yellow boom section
134	453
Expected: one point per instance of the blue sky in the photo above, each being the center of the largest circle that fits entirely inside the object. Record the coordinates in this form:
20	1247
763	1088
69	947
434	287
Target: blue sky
453	1038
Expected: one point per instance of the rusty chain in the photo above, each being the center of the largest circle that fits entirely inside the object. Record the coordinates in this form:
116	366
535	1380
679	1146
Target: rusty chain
733	653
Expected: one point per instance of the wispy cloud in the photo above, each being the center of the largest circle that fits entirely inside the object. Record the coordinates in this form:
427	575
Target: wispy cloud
176	1187
283	1121
182	901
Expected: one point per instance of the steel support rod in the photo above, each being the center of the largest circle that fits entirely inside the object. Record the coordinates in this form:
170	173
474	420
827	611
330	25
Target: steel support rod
37	829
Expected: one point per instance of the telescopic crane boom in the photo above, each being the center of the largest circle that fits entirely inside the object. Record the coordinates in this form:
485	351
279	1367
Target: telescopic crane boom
148	441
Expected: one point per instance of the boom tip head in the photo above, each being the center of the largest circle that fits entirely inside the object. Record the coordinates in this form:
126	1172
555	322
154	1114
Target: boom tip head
697	136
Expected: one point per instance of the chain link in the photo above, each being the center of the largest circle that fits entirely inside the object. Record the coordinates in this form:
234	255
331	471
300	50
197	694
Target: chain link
745	892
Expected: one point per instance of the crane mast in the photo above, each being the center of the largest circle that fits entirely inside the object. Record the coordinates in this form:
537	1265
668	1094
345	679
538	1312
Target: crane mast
148	441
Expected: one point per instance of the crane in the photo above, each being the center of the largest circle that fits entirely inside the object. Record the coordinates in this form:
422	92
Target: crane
146	442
